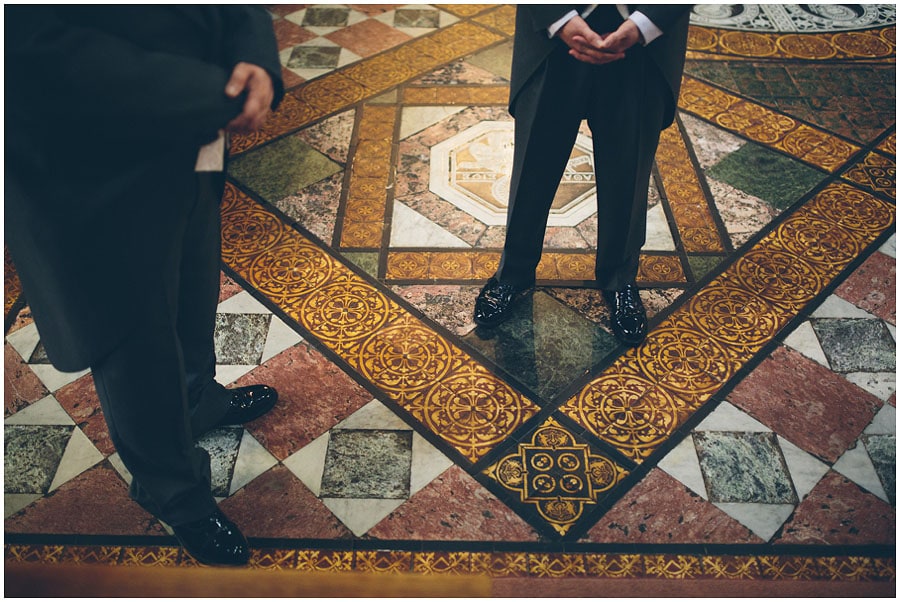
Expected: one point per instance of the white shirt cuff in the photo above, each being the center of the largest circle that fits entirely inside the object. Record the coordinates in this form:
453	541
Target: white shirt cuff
649	30
557	25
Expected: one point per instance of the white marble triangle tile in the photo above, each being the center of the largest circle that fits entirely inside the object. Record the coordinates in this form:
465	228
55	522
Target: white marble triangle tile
805	470
13	502
763	519
415	119
52	378
226	374
24	340
835	307
892	329
427	464
253	460
889	248
409	228
308	463
805	341
373	415
242	303
880	384
884	422
43	411
727	418
659	234
857	466
80	455
683	465
279	338
360	515
119	467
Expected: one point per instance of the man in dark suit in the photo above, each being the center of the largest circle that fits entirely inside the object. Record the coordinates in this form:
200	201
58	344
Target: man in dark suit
116	235
619	67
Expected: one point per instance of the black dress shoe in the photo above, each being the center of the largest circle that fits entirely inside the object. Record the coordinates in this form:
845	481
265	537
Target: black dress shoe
627	315
494	302
214	540
249	403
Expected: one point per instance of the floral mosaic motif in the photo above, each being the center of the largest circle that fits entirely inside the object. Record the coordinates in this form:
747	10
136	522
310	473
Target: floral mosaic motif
557	474
807	18
876	172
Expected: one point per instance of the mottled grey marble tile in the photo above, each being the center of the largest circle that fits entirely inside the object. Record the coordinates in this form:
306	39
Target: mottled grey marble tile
314	57
856	345
31	455
367	464
222	445
326	17
883	453
543	344
241	338
417	17
743	468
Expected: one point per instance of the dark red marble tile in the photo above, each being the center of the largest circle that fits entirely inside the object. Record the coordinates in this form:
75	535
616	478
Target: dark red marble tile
228	287
454	507
368	37
838	512
284	9
372	10
277	504
815	409
313	395
662	510
96	503
872	287
80	400
21	386
289	34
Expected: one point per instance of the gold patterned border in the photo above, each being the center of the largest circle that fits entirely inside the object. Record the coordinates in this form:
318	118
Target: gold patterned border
12	286
708	42
541	565
809	144
875	172
650	391
431	266
369	78
429	377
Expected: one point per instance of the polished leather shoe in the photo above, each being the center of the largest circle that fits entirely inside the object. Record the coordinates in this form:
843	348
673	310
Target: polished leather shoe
214	540
249	403
495	302
627	315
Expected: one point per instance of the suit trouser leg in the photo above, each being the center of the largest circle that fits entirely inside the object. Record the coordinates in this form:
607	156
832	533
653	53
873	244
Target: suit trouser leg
548	114
143	386
625	116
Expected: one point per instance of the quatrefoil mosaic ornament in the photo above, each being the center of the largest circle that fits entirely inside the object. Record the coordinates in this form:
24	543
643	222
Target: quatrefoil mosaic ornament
557	474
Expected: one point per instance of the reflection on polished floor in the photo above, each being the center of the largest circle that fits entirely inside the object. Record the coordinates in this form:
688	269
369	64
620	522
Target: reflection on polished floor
752	437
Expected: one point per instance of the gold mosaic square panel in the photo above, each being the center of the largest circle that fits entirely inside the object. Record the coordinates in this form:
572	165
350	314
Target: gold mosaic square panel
875	172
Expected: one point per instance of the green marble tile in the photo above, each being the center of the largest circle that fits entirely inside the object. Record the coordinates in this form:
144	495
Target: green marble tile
543	344
772	177
282	168
701	265
326	17
496	60
368	262
883	452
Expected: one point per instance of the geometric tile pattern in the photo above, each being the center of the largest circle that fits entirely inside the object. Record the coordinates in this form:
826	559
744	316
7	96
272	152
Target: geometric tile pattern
684	402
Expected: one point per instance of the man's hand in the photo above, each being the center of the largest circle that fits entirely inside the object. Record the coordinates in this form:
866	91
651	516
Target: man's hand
598	49
258	84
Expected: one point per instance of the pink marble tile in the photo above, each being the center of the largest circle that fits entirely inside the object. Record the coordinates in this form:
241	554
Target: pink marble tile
96	503
290	78
21	386
662	510
228	287
454	507
368	37
838	512
277	504
80	400
285	9
372	10
313	395
815	409
332	136
872	287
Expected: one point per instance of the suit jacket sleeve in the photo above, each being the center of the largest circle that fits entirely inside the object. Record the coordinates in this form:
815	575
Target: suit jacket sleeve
663	16
106	85
250	39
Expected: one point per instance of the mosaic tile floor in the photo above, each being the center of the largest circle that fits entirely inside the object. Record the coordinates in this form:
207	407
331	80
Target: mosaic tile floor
752	437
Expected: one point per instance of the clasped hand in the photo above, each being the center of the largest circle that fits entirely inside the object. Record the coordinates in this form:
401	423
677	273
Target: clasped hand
588	46
256	81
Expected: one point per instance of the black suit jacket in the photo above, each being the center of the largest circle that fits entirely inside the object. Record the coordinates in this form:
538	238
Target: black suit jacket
105	109
531	44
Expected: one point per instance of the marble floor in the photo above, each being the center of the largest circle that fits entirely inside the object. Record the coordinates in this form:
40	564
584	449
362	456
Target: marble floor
751	438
